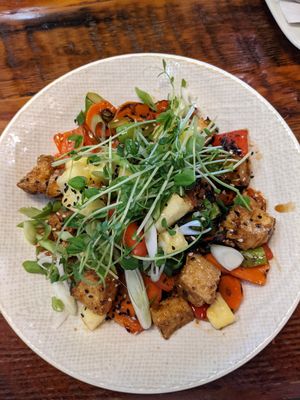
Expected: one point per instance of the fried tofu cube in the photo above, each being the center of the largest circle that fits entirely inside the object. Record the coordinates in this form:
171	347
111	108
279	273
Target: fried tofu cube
94	295
198	280
37	179
171	314
248	229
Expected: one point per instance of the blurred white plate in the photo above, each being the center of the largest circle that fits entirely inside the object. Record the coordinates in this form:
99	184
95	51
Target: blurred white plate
291	31
110	357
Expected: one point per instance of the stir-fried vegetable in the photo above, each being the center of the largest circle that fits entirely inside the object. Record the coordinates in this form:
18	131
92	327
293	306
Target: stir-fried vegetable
254	257
231	291
141	187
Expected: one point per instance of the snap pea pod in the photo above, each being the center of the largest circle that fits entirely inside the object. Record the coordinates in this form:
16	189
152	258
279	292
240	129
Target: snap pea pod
254	257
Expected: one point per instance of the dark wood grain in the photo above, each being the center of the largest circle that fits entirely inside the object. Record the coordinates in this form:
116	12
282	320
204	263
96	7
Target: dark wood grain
41	40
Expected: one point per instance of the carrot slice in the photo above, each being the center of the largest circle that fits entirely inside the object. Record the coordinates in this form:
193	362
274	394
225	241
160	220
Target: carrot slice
256	275
213	261
153	291
131	325
126	307
166	283
98	108
161	106
268	252
231	291
135	111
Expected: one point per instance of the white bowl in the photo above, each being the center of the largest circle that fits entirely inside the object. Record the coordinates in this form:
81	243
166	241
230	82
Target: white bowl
196	354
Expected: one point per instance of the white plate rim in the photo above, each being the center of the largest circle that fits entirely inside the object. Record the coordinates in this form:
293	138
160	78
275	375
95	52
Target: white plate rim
286	28
262	345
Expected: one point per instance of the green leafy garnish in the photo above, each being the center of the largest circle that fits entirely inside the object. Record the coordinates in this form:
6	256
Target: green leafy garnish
185	178
243	201
145	98
164	224
90	192
76	244
33	267
77	139
129	263
78	182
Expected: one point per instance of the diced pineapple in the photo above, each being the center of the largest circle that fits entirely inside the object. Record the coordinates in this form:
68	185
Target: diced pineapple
124	171
93	173
90	319
170	243
219	313
175	209
72	197
94	205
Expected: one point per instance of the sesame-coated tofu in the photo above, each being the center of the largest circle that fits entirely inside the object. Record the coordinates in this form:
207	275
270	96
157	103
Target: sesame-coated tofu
94	295
248	229
37	179
171	314
198	280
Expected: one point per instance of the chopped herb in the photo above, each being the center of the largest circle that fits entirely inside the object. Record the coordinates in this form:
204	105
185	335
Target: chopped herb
76	244
77	139
164	224
129	263
78	182
33	267
90	192
185	178
243	201
57	304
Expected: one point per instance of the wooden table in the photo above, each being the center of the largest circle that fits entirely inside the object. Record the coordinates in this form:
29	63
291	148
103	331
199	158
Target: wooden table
41	40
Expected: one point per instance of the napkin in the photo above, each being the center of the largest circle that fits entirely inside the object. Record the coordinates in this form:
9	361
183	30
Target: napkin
291	11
